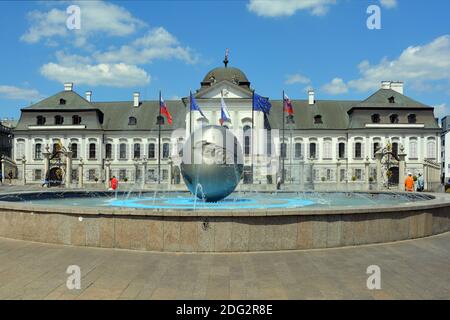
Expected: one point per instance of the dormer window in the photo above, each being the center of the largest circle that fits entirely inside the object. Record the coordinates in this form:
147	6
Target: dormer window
393	118
76	119
132	121
62	101
376	118
40	120
412	118
59	120
391	100
318	119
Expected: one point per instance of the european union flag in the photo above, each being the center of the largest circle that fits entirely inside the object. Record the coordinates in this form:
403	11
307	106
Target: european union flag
261	104
195	107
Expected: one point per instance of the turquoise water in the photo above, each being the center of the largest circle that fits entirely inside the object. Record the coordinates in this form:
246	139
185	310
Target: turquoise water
236	201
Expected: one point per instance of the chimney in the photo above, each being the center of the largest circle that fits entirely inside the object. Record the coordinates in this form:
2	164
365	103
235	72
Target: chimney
397	86
136	99
68	86
89	96
311	99
385	84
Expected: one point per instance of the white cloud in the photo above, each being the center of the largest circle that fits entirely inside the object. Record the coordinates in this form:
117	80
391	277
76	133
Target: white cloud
420	66
81	70
296	78
277	8
16	93
388	3
158	43
336	86
97	18
441	110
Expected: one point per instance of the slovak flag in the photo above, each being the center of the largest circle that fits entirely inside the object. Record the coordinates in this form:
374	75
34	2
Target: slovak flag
287	106
224	114
163	110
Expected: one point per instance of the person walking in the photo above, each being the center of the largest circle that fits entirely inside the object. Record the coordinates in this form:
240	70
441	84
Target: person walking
409	183
420	183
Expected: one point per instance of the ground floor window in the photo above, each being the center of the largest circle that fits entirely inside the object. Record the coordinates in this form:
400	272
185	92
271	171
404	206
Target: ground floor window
358	174
91	174
342	175
165	174
74	174
122	175
38	175
151	174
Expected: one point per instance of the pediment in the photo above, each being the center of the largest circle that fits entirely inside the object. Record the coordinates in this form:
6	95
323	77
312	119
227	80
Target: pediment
229	90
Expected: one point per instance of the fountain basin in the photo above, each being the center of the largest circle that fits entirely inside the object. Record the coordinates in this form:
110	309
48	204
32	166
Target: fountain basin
309	226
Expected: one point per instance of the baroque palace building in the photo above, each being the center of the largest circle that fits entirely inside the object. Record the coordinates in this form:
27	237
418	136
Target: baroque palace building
327	142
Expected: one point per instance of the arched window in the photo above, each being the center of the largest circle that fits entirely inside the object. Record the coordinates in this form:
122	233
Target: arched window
391	99
151	151
341	150
247	137
358	150
123	151
376	147
74	149
40	120
298	150
59	120
20	149
137	151
108	151
38	151
327	149
62	101
412	118
132	121
395	148
393	118
431	149
76	119
313	150
92	151
376	118
413	149
165	150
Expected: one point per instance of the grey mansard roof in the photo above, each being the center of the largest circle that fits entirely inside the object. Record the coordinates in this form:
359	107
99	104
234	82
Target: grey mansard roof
335	114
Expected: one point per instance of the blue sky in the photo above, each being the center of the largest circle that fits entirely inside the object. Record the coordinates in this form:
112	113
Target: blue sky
170	45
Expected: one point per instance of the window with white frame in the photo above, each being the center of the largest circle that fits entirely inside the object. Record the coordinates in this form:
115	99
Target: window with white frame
122	151
298	152
413	149
431	149
327	149
20	149
38	151
166	150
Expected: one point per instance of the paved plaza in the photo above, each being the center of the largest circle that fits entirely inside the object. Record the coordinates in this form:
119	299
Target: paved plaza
414	269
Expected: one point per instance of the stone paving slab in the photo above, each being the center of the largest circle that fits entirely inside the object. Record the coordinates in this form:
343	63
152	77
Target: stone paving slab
413	269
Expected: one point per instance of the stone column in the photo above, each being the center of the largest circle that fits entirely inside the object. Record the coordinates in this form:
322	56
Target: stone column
367	173
80	174
68	169
46	155
24	179
338	174
144	171
401	170
3	168
107	173
378	157
170	162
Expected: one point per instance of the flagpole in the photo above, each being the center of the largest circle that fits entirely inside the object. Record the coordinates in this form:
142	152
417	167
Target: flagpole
253	126
190	123
159	140
283	144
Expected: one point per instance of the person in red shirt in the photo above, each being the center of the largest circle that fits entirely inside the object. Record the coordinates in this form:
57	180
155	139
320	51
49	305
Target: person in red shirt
114	183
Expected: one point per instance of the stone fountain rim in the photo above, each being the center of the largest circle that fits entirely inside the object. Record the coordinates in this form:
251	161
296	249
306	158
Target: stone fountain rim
435	201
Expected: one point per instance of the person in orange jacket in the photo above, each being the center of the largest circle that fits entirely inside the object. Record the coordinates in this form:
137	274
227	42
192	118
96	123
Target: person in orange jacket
114	183
409	183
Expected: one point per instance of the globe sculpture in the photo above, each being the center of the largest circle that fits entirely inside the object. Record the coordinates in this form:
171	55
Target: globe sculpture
212	163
